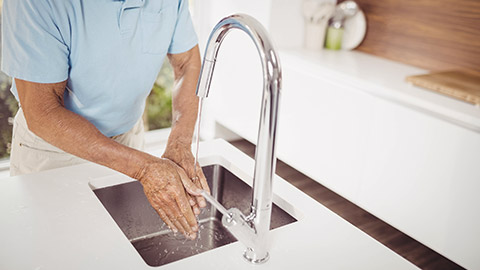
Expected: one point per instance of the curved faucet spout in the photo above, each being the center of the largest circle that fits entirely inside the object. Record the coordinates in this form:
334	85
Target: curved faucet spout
253	28
265	159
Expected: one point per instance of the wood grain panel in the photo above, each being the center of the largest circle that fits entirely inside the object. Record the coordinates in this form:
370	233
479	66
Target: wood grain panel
431	34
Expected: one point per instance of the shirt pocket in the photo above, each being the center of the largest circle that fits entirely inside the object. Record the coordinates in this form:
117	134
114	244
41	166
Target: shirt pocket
157	29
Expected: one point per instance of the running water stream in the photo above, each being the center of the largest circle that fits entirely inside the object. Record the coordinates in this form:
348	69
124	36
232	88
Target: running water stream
207	196
197	135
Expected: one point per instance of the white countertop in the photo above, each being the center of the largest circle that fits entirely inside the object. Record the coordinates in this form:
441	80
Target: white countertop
385	79
53	220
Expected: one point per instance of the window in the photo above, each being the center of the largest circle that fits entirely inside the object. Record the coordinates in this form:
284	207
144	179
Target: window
8	108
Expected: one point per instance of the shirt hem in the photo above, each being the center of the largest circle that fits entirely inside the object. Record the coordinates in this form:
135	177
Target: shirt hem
182	49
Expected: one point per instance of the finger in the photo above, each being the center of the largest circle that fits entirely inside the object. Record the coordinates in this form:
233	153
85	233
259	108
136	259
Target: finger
162	213
184	211
182	223
174	215
191	200
198	182
191	222
191	233
167	220
179	225
203	179
173	210
187	183
180	197
193	203
196	210
200	200
177	193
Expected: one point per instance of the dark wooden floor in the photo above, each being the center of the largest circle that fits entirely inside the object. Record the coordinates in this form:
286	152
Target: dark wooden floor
405	246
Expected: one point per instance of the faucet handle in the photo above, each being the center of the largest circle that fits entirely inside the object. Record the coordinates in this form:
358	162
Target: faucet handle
237	224
234	220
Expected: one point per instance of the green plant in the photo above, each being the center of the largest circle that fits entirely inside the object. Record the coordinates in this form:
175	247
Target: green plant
8	108
158	109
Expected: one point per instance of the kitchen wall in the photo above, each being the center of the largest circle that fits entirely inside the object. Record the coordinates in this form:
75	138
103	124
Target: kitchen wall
431	34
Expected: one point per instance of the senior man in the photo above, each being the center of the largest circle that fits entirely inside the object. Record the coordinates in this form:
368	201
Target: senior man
82	71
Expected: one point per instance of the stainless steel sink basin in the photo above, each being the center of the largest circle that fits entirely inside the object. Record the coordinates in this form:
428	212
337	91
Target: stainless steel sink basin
157	245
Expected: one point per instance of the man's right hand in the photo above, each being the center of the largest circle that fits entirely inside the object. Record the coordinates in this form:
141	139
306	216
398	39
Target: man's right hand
165	183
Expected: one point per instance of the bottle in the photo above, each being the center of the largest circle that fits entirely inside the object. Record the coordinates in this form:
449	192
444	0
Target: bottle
333	40
336	24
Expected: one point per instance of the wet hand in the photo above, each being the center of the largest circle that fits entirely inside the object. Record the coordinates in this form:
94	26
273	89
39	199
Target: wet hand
182	155
164	184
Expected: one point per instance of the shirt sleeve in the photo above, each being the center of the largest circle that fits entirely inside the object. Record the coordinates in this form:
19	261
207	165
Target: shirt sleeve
184	36
33	48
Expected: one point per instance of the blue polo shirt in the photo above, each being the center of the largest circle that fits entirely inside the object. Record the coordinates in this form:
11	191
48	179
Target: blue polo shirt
109	51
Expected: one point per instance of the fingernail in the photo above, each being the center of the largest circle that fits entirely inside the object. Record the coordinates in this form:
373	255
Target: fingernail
196	211
202	204
193	236
195	228
174	230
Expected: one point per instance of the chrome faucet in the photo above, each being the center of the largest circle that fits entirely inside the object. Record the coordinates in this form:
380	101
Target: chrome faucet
252	230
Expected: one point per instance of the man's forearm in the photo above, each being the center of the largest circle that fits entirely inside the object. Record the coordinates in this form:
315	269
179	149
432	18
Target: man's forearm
74	134
185	102
185	106
47	117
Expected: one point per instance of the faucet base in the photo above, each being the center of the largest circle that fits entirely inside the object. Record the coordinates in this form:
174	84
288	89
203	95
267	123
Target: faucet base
252	257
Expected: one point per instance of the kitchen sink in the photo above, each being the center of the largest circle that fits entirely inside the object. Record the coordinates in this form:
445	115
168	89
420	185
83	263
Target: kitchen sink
157	244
